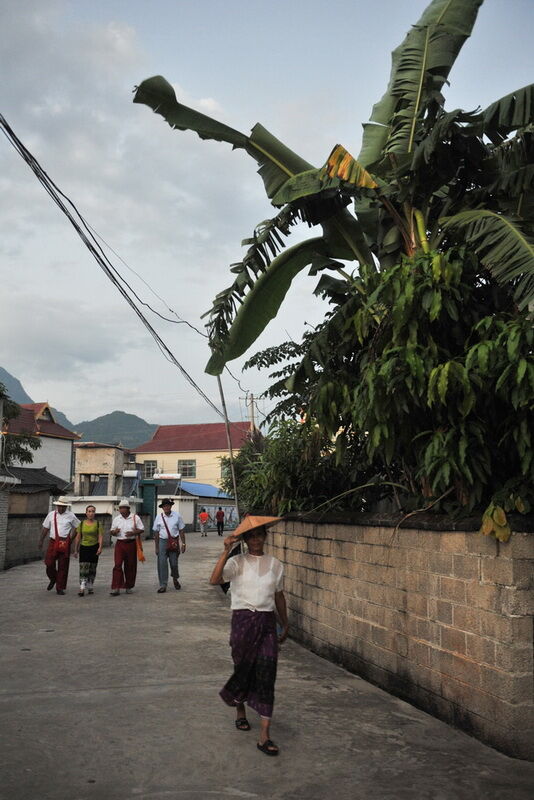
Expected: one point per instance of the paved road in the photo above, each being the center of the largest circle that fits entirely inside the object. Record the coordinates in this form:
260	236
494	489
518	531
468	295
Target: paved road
116	698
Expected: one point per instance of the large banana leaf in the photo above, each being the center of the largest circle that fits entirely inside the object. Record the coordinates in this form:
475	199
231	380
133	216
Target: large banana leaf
502	246
420	66
261	304
515	110
340	170
277	162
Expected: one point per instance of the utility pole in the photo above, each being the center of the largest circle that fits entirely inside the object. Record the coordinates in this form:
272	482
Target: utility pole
229	442
252	418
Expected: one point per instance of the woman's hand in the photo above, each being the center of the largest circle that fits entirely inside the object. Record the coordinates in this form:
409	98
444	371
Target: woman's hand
282	636
75	554
230	541
99	551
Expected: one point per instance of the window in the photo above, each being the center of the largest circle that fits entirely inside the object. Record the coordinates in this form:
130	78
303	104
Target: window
149	467
187	468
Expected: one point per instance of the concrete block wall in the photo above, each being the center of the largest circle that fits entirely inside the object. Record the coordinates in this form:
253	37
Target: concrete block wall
4	503
442	619
23	533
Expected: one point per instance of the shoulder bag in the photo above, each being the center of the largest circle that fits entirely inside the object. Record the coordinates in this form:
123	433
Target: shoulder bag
61	545
173	543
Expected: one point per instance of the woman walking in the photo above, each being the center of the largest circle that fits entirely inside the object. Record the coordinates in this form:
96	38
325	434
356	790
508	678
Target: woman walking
88	544
256	588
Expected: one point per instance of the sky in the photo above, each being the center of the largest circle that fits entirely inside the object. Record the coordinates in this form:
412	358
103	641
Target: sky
173	207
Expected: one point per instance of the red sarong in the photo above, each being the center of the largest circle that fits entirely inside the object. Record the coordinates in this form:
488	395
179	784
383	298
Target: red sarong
125	569
58	573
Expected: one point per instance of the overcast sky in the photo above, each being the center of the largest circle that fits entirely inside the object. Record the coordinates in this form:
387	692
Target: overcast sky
174	207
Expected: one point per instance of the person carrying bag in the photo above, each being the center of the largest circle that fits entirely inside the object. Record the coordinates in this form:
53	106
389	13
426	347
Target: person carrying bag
169	542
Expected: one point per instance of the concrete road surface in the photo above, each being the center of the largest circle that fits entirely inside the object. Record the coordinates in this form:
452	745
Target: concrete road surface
117	697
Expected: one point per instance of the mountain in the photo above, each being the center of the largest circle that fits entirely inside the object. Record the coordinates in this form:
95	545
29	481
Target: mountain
117	427
128	429
60	417
14	387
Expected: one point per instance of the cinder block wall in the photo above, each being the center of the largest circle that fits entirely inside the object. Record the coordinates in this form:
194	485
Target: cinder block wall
442	619
23	533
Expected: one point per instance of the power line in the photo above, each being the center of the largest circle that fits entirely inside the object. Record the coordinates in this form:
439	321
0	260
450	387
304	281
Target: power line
84	231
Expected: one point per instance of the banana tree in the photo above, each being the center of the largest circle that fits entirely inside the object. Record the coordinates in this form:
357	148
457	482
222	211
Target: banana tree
426	179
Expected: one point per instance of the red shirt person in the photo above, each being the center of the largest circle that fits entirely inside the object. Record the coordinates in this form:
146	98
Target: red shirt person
203	518
219	518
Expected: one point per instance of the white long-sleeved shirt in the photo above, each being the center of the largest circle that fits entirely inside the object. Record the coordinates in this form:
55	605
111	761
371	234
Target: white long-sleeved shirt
66	523
254	581
174	522
127	525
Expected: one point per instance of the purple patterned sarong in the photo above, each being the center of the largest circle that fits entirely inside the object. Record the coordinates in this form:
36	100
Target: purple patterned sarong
255	654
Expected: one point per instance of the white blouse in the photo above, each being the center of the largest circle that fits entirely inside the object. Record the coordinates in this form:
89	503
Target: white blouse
254	579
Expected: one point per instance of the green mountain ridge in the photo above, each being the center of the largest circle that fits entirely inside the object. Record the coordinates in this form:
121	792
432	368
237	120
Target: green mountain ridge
118	427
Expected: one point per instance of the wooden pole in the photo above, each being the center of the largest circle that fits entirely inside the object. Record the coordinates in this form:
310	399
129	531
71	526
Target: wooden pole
229	441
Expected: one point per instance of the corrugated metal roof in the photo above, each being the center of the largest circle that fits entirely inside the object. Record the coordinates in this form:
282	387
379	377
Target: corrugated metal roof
187	438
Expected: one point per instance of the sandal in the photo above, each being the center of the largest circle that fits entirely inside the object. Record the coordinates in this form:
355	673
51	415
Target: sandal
268	747
242	724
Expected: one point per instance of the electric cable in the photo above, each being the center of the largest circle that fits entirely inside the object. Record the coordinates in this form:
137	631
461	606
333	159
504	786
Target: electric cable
84	232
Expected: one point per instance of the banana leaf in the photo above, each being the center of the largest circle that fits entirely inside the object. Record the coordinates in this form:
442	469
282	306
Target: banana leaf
503	248
277	162
420	66
515	110
261	304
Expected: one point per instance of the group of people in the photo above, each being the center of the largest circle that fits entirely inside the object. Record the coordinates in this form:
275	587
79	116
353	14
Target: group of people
204	519
255	579
67	536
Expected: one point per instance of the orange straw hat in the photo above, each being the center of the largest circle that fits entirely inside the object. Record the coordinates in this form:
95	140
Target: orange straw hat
251	522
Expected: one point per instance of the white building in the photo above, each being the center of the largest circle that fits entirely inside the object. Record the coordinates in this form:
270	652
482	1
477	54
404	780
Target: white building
56	453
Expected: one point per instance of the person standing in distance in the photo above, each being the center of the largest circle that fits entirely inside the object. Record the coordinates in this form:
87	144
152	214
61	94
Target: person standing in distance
203	518
60	526
169	543
219	518
126	527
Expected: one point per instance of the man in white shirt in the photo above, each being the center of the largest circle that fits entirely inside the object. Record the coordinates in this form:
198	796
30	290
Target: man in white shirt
169	542
126	527
60	526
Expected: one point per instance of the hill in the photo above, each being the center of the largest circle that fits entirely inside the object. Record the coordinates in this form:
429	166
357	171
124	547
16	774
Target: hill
14	387
128	429
117	427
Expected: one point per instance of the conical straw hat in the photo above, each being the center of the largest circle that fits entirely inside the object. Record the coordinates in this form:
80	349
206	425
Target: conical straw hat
251	522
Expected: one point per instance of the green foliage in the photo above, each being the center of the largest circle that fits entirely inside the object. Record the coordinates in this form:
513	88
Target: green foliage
423	370
17	447
295	468
434	365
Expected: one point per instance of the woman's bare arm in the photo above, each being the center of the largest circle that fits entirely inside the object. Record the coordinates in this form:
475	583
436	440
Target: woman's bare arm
217	574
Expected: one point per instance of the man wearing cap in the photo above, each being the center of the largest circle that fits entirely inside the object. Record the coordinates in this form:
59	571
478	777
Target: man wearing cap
169	542
126	527
257	599
60	526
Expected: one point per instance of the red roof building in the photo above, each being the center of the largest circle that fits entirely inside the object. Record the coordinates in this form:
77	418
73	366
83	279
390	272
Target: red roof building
56	452
193	451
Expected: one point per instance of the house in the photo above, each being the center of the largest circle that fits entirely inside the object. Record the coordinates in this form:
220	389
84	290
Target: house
193	451
101	478
28	503
56	453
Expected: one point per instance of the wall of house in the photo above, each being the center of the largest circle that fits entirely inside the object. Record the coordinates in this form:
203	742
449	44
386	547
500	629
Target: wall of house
99	461
208	463
4	503
442	619
55	455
